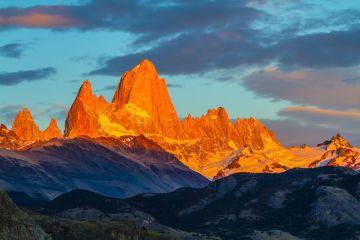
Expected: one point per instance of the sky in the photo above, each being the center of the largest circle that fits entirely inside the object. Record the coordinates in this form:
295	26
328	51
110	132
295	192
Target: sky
295	64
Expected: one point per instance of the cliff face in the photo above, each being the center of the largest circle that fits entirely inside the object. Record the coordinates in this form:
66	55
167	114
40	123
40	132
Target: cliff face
142	105
83	117
26	129
52	131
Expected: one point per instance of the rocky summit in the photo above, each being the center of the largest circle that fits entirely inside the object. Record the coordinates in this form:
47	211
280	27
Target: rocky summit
26	129
142	105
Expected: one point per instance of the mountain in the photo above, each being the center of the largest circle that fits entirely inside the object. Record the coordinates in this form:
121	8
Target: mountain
142	97
334	143
114	167
320	203
52	131
15	224
338	152
212	144
26	224
26	129
142	105
8	138
334	152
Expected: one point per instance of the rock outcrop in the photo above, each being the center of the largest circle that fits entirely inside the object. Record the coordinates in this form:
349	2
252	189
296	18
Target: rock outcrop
8	138
52	131
27	130
25	127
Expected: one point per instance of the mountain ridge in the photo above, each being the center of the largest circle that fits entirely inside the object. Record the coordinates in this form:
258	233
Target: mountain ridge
211	144
142	105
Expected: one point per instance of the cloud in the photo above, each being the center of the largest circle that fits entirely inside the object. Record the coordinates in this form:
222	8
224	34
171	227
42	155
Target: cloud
342	120
320	50
197	52
37	17
174	85
106	88
198	36
13	78
323	87
8	113
312	111
139	17
12	50
193	53
352	81
290	133
312	125
56	110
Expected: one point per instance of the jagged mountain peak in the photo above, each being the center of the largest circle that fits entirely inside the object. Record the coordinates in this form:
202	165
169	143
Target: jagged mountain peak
335	142
146	63
53	123
25	127
217	113
3	127
24	113
143	95
52	131
85	91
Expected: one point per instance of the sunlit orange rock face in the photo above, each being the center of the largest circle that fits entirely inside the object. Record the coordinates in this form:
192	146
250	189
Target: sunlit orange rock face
142	105
83	117
26	129
8	138
52	131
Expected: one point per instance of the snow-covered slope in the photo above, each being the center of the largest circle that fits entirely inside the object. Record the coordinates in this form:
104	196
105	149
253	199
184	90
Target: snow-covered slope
334	152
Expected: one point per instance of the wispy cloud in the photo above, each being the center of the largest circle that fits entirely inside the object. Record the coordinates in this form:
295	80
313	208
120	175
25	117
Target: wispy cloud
106	88
174	85
12	50
13	78
8	113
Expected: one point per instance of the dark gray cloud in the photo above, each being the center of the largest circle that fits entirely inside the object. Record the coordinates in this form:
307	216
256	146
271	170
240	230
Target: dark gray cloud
13	78
150	19
12	50
197	36
194	53
200	52
319	50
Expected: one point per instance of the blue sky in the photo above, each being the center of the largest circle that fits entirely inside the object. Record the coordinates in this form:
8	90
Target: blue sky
295	65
